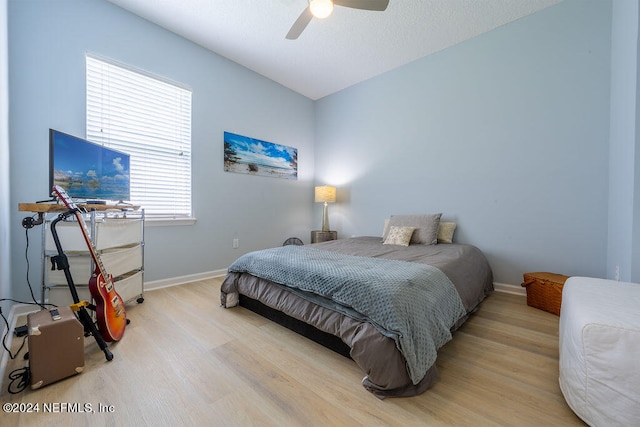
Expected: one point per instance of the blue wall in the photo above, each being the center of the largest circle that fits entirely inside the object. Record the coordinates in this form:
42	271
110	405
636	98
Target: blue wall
507	134
47	45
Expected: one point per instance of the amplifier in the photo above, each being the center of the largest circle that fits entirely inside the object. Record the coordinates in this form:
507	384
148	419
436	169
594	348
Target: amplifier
56	345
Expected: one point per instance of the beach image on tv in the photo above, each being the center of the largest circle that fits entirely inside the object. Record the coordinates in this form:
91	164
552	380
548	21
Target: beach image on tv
90	171
255	157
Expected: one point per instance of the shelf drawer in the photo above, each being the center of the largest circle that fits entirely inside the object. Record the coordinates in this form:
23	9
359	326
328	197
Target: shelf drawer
120	261
129	288
118	232
116	262
79	267
110	233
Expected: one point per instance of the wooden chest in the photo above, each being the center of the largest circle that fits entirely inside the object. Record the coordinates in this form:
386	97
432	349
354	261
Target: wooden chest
544	290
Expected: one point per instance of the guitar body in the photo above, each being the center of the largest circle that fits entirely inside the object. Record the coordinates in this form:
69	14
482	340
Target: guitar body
110	312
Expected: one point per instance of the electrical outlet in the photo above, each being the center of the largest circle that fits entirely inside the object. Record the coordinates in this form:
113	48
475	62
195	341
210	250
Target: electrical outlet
616	274
236	243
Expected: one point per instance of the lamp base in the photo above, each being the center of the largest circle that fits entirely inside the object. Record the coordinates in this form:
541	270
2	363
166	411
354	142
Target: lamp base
325	217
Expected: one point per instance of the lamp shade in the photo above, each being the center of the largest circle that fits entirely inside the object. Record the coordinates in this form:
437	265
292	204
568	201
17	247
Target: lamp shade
326	193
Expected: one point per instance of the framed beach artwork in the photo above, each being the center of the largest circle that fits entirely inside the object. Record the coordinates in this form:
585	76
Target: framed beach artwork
255	157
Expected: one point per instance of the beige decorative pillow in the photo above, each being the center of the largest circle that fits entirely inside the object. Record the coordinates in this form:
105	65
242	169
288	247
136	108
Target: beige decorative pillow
399	236
445	232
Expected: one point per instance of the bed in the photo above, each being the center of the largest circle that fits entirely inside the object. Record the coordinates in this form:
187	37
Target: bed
389	304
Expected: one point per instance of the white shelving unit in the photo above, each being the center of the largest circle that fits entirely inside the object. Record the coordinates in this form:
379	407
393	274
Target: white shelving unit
117	236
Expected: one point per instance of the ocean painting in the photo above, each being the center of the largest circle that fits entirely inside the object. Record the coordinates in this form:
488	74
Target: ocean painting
255	157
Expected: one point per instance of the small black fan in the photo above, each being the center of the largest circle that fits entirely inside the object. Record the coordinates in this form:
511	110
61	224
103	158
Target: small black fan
307	15
293	241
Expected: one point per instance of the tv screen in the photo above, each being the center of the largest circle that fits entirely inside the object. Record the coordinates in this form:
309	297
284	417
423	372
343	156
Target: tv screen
86	170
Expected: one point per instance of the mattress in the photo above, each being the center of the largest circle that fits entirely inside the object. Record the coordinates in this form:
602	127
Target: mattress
376	353
600	350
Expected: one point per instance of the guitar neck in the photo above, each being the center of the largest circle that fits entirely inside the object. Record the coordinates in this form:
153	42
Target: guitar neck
62	195
92	249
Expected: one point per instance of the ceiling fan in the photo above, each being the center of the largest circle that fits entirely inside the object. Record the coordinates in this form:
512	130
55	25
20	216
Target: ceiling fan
323	8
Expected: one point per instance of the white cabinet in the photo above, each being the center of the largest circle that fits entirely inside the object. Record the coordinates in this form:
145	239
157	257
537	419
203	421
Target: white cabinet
118	239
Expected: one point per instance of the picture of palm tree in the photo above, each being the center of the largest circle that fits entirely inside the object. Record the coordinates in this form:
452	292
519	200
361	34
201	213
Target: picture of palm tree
243	154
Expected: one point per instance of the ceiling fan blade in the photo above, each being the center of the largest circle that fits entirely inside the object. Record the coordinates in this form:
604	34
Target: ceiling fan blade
378	5
301	23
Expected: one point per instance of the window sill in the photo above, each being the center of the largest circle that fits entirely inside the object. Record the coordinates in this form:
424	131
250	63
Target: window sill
168	222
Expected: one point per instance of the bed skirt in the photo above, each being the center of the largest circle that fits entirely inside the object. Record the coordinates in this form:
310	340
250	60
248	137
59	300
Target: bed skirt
376	354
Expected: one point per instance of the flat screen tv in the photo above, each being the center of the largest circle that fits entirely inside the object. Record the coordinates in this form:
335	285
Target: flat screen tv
86	170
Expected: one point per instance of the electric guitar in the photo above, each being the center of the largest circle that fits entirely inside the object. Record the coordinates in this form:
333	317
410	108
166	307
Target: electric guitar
110	312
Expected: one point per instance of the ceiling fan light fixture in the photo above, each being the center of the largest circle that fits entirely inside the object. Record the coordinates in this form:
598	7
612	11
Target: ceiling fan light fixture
321	8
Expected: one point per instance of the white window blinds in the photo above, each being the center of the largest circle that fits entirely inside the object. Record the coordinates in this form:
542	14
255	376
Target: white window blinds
150	119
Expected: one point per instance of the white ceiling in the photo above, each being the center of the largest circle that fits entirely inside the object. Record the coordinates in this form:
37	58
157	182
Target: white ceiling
348	47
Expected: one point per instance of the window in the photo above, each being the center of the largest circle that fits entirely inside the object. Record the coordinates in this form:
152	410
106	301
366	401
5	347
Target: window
150	119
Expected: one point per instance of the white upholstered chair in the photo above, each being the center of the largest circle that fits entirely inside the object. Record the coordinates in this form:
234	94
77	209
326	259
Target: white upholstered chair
600	350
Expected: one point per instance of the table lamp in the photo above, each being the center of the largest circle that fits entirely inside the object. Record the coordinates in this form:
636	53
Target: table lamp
326	194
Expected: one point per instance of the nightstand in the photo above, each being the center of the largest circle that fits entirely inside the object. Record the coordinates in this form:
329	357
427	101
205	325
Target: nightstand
323	236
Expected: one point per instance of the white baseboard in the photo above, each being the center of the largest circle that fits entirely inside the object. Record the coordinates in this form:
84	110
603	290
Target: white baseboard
510	289
18	310
181	280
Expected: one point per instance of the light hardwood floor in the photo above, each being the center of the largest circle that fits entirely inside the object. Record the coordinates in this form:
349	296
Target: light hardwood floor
184	360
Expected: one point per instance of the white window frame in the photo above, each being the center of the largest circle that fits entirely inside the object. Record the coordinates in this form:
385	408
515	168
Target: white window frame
149	118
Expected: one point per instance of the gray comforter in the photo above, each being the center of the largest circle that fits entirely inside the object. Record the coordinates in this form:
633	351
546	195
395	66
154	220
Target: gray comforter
377	354
414	304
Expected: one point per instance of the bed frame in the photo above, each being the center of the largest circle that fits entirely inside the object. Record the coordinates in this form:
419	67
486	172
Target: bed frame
311	332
